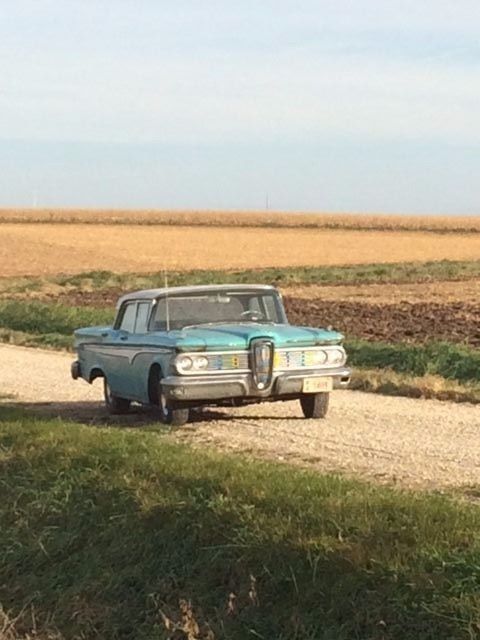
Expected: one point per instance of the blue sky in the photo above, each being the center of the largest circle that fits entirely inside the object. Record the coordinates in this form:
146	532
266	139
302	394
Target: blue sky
361	105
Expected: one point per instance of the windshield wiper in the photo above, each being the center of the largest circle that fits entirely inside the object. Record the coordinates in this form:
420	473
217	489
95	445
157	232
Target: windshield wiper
209	324
213	324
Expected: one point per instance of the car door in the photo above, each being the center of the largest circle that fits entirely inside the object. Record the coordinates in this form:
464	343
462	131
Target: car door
120	351
141	353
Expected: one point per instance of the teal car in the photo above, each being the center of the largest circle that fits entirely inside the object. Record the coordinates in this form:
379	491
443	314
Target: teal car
185	347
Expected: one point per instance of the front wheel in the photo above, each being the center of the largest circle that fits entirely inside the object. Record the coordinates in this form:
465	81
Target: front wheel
315	405
115	405
170	414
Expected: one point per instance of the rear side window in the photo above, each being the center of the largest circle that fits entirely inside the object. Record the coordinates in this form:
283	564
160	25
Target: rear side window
127	321
143	310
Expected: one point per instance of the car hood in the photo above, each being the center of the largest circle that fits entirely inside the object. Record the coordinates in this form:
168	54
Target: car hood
238	336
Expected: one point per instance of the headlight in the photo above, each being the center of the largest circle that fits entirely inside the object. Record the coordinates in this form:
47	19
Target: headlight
200	363
315	358
321	357
336	356
185	364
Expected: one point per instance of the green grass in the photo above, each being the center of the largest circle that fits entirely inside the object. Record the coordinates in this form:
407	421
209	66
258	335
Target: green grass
350	274
104	532
41	318
452	362
55	341
283	276
431	386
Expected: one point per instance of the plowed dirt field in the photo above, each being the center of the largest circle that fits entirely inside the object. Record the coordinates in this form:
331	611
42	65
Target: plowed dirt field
447	311
398	322
414	312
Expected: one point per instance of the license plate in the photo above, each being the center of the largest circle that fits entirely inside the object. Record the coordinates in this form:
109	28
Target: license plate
317	385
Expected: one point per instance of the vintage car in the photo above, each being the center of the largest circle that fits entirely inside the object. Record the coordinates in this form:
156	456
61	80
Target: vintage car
183	347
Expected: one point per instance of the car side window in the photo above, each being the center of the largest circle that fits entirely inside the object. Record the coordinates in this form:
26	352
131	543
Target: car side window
254	305
143	311
269	305
127	322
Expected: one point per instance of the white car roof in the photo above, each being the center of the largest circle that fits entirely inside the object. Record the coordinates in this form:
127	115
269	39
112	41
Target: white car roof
152	294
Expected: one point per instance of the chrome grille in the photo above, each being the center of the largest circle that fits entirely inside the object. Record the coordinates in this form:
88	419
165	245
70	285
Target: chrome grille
262	362
310	358
235	361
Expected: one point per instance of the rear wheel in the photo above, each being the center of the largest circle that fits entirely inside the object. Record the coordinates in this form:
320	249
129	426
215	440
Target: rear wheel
115	405
315	405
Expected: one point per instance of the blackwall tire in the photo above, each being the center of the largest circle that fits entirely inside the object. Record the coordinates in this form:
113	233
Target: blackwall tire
315	405
174	416
115	405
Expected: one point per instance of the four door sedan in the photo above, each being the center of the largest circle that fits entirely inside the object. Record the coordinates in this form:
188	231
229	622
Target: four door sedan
186	347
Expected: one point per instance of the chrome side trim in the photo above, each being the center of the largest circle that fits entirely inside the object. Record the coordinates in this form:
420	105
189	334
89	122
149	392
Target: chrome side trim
215	353
328	347
127	351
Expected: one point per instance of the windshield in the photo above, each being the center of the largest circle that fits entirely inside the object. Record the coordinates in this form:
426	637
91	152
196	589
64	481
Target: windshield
217	308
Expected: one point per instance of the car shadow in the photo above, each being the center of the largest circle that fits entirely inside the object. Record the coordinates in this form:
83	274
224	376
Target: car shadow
94	414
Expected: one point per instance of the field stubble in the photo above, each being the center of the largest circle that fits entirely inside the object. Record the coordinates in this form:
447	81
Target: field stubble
238	218
41	249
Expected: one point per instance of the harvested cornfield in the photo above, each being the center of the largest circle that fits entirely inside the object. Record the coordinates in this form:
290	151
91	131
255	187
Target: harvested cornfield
49	248
270	219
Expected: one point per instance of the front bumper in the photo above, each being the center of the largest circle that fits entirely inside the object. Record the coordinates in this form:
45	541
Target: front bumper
227	385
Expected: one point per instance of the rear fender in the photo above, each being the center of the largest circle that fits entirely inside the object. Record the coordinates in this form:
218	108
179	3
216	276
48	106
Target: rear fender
95	372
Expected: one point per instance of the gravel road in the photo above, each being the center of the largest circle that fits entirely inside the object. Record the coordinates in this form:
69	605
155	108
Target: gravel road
415	443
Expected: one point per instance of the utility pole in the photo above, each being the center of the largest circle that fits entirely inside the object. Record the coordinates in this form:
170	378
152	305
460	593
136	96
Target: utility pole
267	204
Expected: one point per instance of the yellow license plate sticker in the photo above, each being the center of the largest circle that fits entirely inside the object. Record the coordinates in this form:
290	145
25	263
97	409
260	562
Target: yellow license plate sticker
317	385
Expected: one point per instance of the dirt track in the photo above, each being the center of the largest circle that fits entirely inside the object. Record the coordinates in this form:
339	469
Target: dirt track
416	443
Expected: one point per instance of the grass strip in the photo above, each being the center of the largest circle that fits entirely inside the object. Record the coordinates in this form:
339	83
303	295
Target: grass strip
42	318
402	272
121	534
450	361
390	383
54	341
